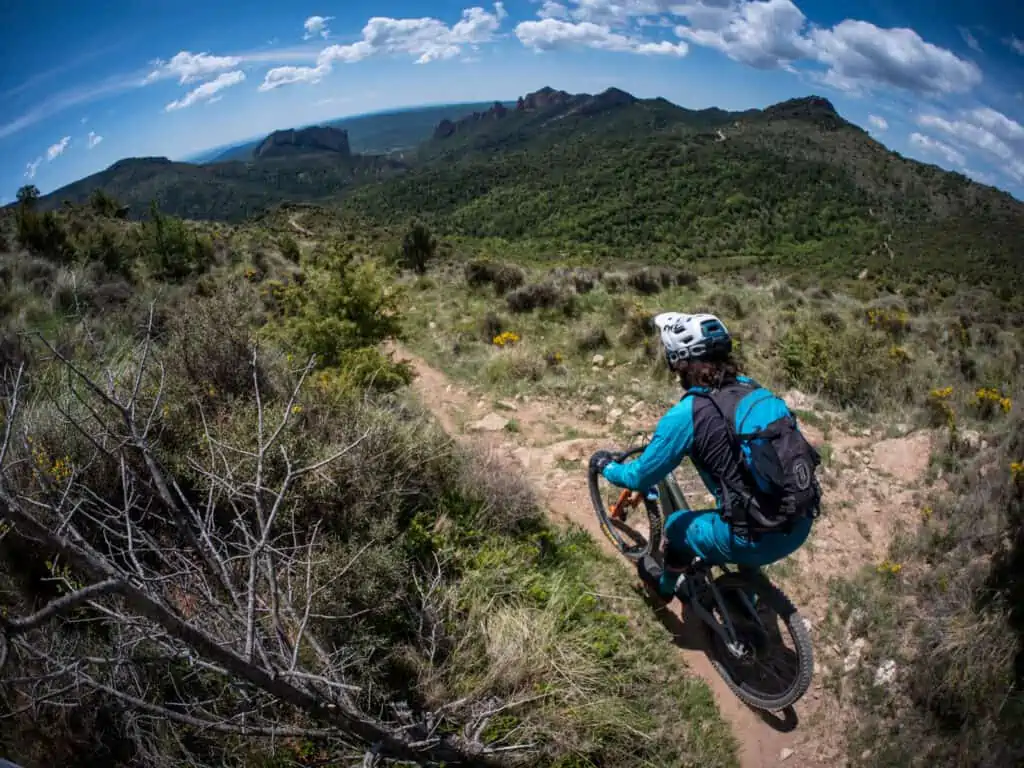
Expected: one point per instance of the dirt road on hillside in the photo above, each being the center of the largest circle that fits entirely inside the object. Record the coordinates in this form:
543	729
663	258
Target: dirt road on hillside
871	493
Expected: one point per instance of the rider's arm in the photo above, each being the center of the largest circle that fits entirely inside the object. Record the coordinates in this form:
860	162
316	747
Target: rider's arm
671	442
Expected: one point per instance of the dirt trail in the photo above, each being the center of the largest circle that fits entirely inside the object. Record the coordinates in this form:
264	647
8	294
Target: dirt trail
873	498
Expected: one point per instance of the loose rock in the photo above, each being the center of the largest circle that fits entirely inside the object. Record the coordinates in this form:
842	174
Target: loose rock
597	360
492	422
785	754
852	660
886	672
613	415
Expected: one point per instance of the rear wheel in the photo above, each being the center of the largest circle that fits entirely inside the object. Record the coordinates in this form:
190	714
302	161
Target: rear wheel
638	531
771	666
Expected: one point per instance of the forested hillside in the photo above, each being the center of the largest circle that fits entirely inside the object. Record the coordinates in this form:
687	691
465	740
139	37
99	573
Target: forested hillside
792	184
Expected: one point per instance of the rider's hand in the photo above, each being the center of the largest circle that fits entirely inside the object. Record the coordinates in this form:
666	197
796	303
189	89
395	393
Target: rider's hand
600	460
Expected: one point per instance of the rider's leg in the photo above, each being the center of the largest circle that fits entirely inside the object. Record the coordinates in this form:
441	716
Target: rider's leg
711	538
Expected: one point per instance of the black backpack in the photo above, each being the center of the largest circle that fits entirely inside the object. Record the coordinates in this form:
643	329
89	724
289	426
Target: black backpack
774	457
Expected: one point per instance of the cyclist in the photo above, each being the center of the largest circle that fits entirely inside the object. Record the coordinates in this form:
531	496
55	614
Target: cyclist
699	349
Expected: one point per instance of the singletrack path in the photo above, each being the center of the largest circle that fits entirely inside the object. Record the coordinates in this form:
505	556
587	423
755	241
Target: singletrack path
875	497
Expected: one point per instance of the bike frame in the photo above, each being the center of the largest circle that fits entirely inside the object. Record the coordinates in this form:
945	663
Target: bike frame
696	582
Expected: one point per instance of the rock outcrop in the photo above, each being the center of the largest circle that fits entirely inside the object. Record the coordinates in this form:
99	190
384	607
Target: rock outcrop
304	140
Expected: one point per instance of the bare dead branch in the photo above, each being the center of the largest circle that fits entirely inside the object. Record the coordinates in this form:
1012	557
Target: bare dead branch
61	605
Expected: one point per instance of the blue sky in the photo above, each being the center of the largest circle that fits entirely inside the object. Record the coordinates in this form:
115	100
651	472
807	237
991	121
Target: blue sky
85	84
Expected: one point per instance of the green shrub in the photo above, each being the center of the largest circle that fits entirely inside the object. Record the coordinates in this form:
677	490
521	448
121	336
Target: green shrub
647	281
43	234
504	277
545	295
290	248
614	282
419	247
174	251
592	339
727	306
491	326
851	367
341	304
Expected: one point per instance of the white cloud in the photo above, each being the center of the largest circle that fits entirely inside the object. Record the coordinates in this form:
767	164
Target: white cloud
553	10
969	132
553	34
56	150
1016	43
988	130
928	144
427	39
878	123
857	55
764	34
188	67
207	91
31	168
1001	125
93	139
860	54
316	26
970	39
614	12
279	76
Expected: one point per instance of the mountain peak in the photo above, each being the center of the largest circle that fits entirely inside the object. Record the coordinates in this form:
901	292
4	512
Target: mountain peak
815	109
319	138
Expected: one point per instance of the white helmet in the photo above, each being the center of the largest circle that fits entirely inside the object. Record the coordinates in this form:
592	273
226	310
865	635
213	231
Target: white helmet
693	337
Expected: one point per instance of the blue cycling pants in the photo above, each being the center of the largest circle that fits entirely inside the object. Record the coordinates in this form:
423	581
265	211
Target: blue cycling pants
707	535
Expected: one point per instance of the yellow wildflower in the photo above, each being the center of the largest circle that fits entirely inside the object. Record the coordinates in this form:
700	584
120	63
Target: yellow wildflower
506	339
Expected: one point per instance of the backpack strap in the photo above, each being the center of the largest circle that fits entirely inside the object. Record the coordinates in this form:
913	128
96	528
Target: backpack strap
736	502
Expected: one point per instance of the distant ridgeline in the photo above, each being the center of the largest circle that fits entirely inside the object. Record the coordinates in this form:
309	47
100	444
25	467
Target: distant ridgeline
618	176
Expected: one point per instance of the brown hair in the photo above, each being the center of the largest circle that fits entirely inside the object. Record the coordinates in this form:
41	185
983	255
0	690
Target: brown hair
711	374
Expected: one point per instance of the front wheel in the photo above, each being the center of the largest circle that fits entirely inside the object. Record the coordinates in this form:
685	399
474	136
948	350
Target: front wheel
771	665
634	533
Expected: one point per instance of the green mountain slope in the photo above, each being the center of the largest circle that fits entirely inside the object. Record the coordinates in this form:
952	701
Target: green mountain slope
230	191
794	182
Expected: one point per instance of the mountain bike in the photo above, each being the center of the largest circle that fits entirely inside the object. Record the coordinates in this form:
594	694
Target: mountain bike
742	613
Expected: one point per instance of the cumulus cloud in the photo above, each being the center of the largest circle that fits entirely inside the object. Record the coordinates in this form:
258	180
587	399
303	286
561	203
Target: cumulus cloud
553	10
988	130
316	26
189	67
93	139
1016	43
764	34
426	39
928	144
207	91
878	123
31	168
554	34
56	150
858	53
279	76
970	39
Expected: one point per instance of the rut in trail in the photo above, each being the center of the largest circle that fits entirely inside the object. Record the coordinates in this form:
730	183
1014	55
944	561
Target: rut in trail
876	495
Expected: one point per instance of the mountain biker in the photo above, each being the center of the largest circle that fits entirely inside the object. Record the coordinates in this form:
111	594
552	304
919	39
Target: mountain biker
699	349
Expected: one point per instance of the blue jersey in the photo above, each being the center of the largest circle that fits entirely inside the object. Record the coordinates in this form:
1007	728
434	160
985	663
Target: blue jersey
692	428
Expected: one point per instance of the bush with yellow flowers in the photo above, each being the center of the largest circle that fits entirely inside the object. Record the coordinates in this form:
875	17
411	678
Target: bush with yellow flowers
895	322
939	408
889	569
506	339
989	402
